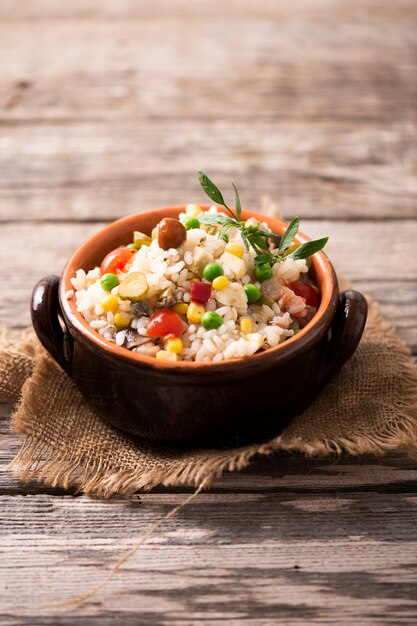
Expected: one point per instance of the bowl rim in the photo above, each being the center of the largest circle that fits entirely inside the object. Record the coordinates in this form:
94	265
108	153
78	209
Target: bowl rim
308	335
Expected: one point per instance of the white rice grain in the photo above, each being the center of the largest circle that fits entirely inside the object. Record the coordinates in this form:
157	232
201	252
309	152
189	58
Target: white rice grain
120	337
172	269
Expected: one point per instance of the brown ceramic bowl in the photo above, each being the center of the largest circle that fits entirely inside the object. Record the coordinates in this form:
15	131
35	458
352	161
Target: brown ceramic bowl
189	403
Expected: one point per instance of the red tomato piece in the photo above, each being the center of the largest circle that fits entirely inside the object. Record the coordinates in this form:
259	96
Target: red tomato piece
164	323
116	260
200	292
306	291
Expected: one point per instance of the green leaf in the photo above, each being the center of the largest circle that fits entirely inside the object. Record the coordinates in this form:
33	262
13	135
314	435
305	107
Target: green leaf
216	218
269	257
223	235
263	258
259	241
224	230
255	248
238	205
265	233
309	248
289	235
210	188
245	240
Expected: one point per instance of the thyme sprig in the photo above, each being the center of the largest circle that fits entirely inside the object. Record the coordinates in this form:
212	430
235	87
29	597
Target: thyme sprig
252	235
301	252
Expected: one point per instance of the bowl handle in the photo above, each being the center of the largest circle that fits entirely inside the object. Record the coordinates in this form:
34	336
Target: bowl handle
346	332
46	315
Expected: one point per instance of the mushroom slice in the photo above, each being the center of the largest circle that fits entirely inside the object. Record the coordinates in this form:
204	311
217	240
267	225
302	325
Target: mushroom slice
166	299
140	308
148	349
133	339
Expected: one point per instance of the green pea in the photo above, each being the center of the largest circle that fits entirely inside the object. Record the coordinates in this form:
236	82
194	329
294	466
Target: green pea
191	222
263	272
132	246
109	281
212	271
211	320
252	293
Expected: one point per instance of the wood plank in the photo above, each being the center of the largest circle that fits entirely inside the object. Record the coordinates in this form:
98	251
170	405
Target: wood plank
243	558
338	535
275	113
292	56
126	9
345	527
207	78
359	251
398	303
104	170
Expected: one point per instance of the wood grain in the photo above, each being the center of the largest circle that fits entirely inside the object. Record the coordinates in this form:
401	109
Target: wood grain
269	96
278	539
281	564
109	107
96	170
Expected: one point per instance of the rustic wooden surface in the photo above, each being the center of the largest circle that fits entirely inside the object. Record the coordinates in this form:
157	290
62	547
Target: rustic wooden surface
108	107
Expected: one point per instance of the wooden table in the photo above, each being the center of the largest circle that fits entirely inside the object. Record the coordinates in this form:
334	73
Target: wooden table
109	107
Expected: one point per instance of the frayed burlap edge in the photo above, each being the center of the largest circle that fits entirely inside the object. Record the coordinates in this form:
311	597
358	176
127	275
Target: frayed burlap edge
56	467
16	363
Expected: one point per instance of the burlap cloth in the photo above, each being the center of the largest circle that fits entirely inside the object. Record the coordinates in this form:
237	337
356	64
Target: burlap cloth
369	407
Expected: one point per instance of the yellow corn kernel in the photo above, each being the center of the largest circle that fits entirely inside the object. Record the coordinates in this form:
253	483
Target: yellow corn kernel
235	248
174	345
181	308
246	325
220	282
163	355
195	313
110	303
292	248
121	321
193	210
140	239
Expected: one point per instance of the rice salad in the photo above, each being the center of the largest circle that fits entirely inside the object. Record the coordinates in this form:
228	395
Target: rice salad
203	287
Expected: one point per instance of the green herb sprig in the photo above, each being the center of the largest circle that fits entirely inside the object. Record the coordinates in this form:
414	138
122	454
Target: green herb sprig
302	252
253	235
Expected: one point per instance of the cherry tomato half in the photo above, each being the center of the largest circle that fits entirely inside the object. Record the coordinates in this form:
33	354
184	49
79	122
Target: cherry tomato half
116	260
306	291
164	323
